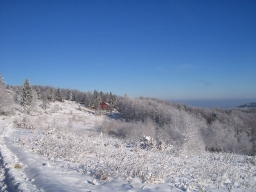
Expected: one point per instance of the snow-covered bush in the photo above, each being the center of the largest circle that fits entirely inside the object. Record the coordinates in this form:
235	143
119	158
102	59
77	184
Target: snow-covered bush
25	122
147	142
133	131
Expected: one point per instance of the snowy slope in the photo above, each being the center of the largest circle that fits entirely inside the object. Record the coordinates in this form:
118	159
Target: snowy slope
61	149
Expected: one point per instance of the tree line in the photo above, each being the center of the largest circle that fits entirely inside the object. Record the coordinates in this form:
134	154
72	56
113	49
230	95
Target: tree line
28	95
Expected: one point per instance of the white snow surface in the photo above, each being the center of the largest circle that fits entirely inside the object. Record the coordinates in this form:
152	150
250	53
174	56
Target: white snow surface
62	150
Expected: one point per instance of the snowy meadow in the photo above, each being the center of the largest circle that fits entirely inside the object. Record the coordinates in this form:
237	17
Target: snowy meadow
63	140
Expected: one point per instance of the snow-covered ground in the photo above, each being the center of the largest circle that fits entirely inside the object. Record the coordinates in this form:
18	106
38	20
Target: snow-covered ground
61	149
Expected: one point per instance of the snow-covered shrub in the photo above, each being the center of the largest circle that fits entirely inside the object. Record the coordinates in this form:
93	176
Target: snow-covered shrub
146	142
24	122
116	128
129	130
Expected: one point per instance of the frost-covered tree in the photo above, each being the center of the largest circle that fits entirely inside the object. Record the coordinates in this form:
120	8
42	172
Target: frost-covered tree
106	98
27	94
38	92
79	97
1	79
95	94
97	100
51	94
70	97
101	95
6	99
45	100
58	96
88	99
112	99
17	95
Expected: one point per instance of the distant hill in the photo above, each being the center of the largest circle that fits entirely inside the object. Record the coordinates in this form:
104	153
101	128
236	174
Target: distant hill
248	105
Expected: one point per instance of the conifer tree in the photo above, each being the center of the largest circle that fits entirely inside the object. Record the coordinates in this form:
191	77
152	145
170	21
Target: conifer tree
97	100
112	98
27	94
95	93
58	96
38	92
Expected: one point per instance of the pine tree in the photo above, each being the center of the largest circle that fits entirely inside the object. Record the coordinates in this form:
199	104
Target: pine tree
107	98
38	92
17	96
97	100
112	98
101	95
58	96
95	94
27	94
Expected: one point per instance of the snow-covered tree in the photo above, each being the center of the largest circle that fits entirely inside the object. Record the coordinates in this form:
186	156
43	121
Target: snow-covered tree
70	97
27	94
1	79
95	94
58	96
6	99
101	95
88	99
97	100
51	94
112	99
17	95
38	92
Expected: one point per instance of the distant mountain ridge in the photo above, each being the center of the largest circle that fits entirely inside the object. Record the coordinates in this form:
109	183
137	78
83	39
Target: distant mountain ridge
248	105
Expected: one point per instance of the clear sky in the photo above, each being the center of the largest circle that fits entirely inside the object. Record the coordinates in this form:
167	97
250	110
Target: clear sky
170	49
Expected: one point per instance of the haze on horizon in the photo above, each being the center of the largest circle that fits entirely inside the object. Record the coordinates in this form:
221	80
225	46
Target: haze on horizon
170	49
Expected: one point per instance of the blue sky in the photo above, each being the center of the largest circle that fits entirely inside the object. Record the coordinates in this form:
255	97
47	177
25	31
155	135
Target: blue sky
173	49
